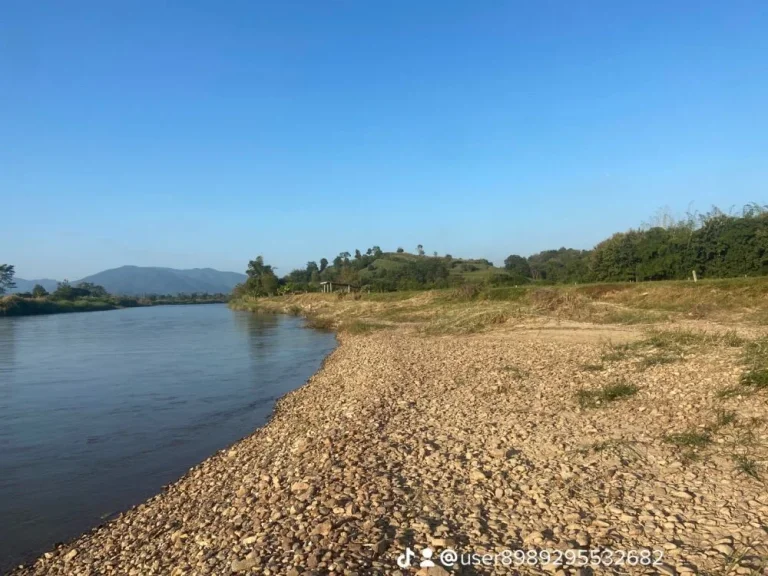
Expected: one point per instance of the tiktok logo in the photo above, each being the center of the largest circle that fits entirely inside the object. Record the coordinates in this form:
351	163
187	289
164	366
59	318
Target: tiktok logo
404	560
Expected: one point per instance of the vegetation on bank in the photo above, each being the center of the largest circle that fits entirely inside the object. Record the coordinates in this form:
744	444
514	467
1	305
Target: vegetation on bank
473	307
83	297
713	245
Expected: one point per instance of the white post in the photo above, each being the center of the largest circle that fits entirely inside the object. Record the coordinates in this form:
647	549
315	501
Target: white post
694	276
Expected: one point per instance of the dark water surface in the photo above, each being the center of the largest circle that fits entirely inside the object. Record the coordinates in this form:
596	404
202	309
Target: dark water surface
99	410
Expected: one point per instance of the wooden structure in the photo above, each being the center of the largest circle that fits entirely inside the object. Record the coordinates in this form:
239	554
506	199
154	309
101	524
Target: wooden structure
329	286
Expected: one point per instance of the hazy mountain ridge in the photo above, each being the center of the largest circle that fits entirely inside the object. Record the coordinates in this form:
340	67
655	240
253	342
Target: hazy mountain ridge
27	285
139	280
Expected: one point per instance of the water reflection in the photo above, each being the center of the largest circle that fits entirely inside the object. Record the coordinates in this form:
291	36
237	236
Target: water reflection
259	329
7	347
99	410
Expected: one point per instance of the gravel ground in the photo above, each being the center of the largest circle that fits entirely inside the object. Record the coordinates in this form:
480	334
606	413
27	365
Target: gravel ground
473	442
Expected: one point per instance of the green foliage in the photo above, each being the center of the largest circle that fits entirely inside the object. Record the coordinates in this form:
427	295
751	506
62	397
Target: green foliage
557	266
604	395
92	289
690	439
6	278
713	244
261	281
39	291
747	466
78	299
518	266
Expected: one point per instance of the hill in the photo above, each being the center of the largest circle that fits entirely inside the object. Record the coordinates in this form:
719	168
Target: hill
138	280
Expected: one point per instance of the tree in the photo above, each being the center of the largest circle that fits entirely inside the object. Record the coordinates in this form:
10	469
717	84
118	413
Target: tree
312	267
400	250
257	267
39	292
269	283
358	254
420	250
518	265
64	291
6	278
323	264
377	252
93	289
261	278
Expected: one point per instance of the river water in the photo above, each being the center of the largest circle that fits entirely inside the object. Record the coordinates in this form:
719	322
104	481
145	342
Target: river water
99	410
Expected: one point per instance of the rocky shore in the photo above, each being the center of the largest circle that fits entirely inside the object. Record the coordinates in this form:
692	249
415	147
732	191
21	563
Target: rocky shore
477	443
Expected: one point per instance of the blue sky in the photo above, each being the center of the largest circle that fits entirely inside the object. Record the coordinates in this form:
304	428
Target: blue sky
193	134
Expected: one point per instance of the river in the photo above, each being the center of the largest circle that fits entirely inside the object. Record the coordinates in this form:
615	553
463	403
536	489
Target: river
99	410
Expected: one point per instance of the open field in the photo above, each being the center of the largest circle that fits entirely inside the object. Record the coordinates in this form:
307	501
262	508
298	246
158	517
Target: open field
623	417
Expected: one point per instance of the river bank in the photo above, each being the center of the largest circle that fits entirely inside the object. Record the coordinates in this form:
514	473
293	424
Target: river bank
515	433
18	306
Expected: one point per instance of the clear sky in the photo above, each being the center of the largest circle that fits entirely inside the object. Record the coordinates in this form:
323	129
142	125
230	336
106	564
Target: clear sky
194	134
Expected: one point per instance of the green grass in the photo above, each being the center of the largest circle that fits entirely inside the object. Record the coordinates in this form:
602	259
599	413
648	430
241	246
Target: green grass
657	360
756	379
729	392
605	395
690	439
617	352
360	327
747	466
725	417
660	347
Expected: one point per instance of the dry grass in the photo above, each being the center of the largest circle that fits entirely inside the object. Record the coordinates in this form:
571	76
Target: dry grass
473	307
606	394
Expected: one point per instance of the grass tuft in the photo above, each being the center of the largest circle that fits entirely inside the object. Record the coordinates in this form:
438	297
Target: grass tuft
515	372
606	394
747	466
360	327
756	379
657	360
725	417
294	310
729	392
690	439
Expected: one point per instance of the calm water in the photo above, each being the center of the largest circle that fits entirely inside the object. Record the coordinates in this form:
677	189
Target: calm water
99	410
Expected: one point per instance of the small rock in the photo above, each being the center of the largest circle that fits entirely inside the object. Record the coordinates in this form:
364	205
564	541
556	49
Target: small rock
70	555
243	565
724	549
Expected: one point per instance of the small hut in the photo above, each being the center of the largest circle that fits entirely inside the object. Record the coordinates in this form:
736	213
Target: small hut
329	286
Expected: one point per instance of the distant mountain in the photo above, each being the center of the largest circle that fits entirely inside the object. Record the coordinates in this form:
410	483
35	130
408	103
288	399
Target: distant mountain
27	285
138	280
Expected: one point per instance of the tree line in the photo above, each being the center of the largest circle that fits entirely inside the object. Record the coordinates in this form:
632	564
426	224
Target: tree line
361	269
66	292
714	244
